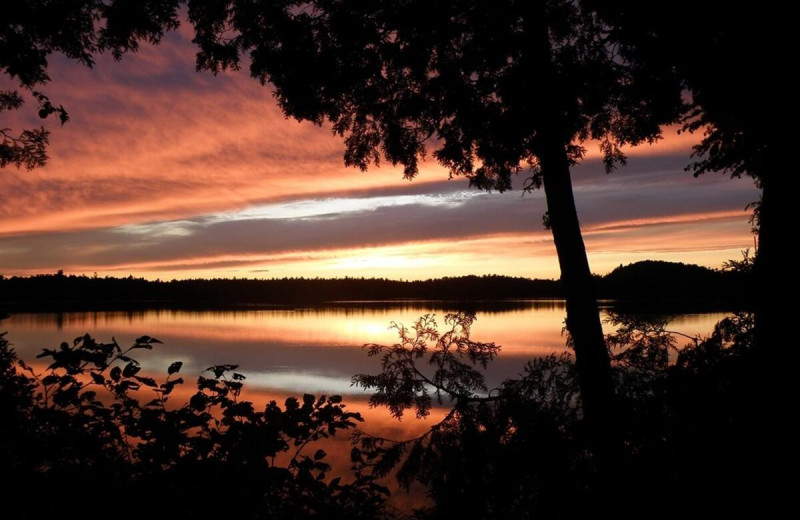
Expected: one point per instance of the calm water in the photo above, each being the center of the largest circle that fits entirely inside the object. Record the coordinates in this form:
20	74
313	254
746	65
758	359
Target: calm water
317	350
286	351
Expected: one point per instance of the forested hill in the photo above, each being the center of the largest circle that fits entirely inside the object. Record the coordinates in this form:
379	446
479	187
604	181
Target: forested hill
652	281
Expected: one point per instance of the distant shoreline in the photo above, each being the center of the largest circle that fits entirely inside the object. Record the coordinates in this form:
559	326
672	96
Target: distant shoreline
657	285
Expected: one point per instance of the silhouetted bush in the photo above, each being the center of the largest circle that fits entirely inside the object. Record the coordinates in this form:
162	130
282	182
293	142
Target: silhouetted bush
521	450
77	440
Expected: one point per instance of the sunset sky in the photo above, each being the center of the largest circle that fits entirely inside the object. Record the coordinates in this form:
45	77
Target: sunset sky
164	172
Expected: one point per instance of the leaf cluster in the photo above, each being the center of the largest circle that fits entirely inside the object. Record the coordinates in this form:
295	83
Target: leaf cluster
88	417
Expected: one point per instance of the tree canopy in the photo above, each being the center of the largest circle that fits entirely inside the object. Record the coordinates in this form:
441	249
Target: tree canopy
731	60
726	57
480	85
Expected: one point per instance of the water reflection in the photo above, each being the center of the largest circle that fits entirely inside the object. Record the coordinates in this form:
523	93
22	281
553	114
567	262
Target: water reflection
315	349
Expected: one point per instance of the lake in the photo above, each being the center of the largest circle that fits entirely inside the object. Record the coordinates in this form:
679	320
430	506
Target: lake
290	351
295	350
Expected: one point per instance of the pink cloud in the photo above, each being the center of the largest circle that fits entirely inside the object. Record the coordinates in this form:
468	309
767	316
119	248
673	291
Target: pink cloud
152	139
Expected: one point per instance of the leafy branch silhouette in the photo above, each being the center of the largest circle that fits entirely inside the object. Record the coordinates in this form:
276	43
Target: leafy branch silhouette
451	366
85	416
523	448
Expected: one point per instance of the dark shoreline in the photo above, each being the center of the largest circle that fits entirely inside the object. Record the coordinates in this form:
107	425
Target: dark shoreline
643	285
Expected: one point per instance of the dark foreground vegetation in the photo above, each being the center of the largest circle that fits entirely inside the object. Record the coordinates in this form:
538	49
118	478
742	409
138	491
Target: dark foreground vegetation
89	432
643	281
686	434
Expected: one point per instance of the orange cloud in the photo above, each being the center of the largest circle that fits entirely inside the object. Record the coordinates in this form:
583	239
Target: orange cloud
151	139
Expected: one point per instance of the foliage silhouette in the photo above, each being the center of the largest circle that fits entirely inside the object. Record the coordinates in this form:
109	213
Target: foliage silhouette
730	58
522	450
402	385
76	438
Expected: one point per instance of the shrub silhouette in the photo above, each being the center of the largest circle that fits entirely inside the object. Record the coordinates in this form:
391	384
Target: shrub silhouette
522	450
77	439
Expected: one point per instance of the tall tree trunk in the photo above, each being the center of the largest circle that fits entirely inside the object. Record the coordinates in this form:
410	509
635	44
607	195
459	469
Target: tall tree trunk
583	317
768	262
774	370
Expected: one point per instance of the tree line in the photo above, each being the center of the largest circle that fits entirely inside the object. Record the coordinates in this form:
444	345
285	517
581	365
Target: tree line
655	282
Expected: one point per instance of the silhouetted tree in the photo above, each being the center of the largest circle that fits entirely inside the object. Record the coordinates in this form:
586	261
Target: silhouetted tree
32	30
731	59
492	88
